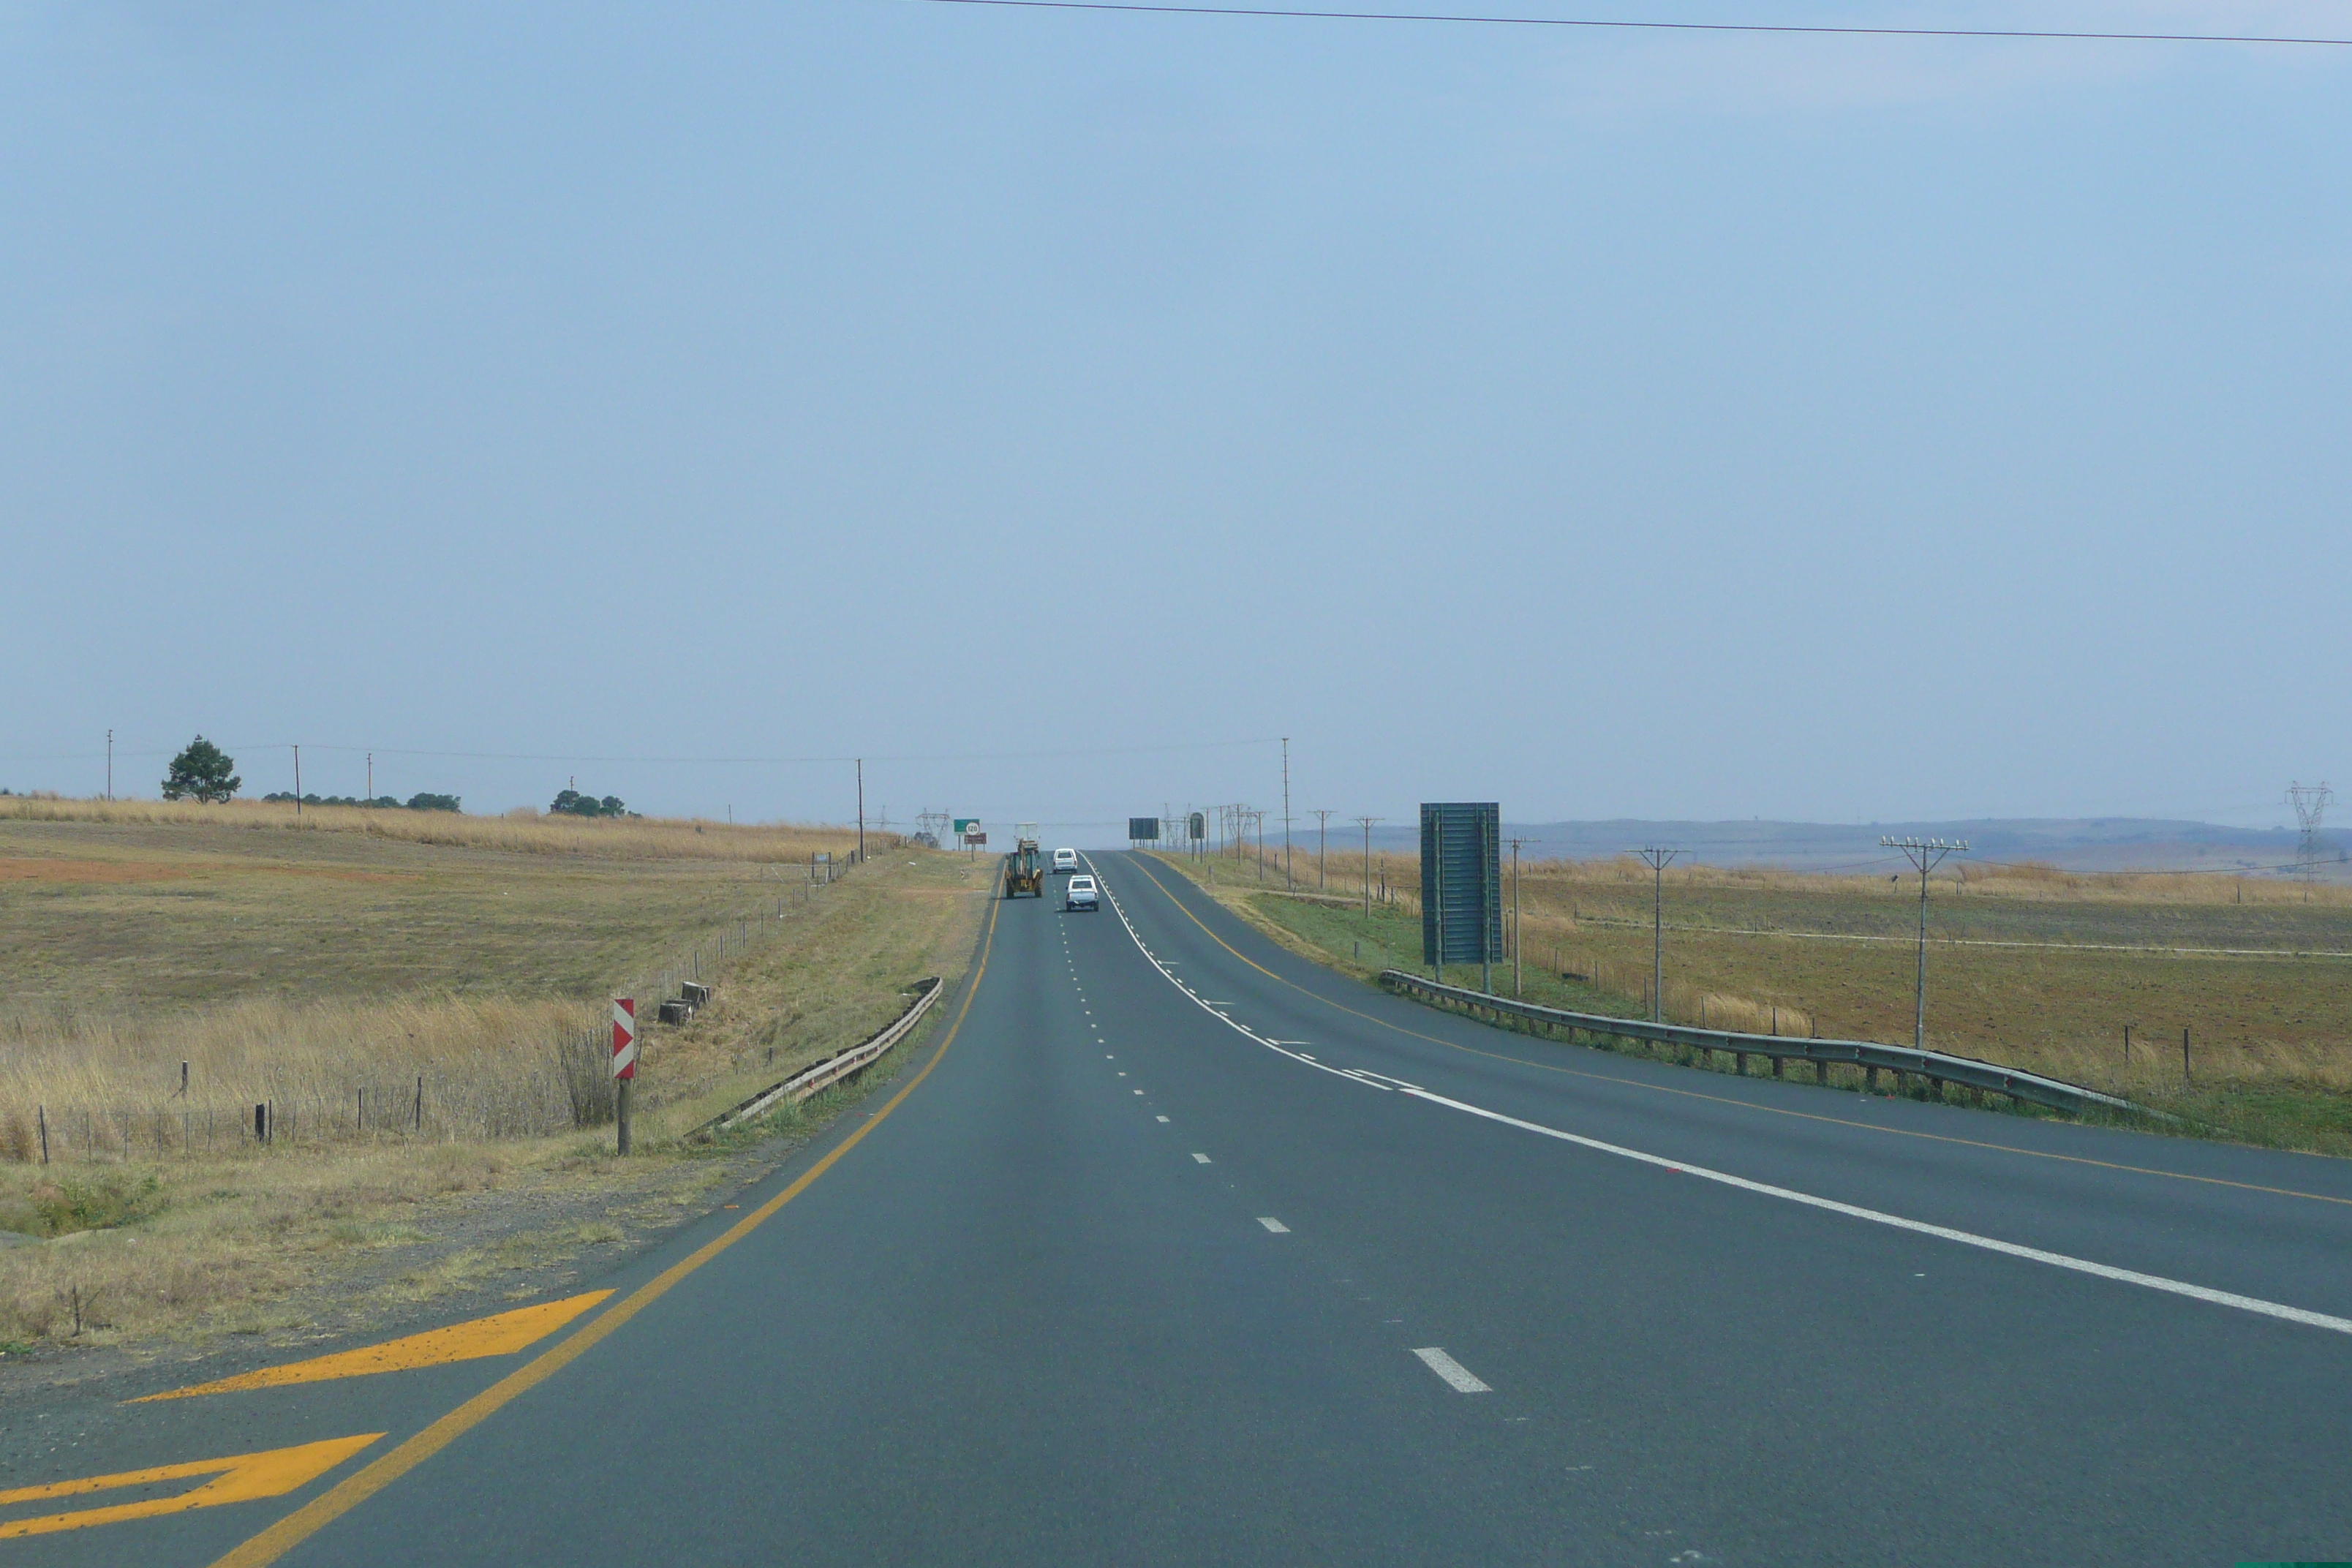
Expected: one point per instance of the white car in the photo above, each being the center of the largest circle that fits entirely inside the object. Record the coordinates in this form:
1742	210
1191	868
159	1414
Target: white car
1065	862
1079	894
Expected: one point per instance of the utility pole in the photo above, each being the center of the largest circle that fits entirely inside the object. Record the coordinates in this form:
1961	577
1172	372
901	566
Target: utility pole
297	780
1322	823
1657	860
109	765
1366	824
1260	817
1927	854
371	778
1285	813
1514	910
861	811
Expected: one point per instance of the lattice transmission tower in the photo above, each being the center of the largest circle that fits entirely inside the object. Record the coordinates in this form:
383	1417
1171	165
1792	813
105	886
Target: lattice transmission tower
2310	802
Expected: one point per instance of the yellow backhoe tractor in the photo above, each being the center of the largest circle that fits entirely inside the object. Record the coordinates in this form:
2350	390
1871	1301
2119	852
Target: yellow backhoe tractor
1024	872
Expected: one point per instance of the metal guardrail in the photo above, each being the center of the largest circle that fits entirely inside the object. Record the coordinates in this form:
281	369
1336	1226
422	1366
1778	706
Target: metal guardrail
820	1076
1933	1066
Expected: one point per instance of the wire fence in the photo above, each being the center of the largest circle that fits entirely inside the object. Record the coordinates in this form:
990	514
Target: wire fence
564	1085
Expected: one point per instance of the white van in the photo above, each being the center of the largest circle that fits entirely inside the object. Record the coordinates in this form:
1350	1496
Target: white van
1065	862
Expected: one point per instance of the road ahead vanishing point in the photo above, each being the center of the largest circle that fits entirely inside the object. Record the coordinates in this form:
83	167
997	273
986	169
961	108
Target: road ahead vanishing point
1172	1247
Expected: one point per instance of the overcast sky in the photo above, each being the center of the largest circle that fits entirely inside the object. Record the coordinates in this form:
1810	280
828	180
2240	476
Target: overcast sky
1608	424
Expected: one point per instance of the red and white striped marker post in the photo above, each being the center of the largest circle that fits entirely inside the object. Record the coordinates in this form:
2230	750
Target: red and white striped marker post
625	1061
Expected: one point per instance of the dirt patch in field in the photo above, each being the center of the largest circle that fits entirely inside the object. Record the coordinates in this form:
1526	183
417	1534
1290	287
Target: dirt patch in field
45	870
94	873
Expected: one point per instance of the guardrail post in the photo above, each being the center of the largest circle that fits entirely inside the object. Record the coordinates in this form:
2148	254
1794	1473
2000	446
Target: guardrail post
1777	1064
1739	1063
1821	1071
1870	1080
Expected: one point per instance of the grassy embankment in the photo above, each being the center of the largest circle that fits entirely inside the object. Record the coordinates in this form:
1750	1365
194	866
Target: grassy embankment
2029	967
303	963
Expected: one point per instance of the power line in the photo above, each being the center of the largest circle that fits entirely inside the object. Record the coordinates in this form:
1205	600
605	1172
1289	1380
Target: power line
2310	802
1628	25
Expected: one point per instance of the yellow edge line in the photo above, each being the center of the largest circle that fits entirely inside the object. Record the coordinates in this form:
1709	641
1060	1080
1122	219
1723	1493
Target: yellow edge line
1726	1100
323	1510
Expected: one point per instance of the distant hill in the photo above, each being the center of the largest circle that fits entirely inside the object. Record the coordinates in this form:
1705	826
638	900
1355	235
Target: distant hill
2082	844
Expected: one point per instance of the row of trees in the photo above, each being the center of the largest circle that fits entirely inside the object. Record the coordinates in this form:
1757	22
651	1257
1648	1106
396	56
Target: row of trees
572	803
421	801
203	772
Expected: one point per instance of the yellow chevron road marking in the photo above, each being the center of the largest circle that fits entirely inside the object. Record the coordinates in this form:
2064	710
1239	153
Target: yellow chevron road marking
501	1334
241	1478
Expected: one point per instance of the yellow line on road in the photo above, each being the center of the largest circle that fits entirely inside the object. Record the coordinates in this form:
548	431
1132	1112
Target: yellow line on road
241	1478
500	1334
1727	1099
322	1511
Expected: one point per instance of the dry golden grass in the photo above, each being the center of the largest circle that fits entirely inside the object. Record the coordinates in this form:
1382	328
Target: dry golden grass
1397	875
524	832
232	1237
2029	966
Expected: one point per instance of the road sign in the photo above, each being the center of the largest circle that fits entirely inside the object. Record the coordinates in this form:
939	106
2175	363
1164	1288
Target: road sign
1146	828
1460	883
976	839
1197	826
966	825
625	1038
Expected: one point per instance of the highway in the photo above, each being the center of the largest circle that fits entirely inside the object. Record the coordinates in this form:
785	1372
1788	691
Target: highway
1167	1245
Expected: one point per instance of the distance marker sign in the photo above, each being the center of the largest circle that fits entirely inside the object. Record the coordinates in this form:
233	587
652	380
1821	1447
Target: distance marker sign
625	1038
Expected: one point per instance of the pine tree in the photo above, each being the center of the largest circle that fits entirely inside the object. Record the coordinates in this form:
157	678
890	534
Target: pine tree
202	772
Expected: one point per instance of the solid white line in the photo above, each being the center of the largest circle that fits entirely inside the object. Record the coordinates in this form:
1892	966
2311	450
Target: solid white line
2253	1304
1273	1224
1945	1233
1462	1380
1202	1158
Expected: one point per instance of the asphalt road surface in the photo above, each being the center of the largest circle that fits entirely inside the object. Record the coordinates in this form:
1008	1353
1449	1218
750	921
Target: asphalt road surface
1168	1247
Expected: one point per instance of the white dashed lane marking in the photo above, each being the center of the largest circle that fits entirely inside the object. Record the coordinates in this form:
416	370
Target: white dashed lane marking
1202	1158
1460	1378
1273	1224
1163	1119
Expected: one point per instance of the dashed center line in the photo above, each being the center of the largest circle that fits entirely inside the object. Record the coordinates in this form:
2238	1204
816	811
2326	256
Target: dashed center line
1200	1157
1273	1224
1460	1378
1161	1119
